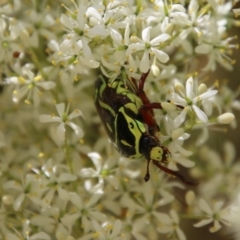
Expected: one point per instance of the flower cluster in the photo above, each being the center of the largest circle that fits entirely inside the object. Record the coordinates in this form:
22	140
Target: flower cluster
60	175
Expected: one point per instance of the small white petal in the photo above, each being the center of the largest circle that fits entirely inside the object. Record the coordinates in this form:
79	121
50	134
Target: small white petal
134	47
78	131
117	226
205	207
183	151
46	85
89	62
13	185
87	53
74	114
96	226
189	88
203	49
144	64
176	133
161	56
180	234
216	227
186	163
217	206
66	177
179	88
207	107
205	95
181	117
161	38
146	34
81	18
91	11
40	235
18	202
116	36
63	194
93	200
203	223
60	108
61	131
178	100
113	181
68	221
65	20
44	118
174	216
200	114
19	94
76	200
88	172
163	218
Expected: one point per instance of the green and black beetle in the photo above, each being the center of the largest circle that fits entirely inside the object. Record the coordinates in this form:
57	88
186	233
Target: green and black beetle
127	115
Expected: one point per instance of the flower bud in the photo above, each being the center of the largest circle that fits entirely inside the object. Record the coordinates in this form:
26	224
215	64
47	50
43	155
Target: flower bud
225	118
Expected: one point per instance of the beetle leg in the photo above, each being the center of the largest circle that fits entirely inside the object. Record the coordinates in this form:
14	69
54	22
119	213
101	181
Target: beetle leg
153	105
174	173
142	81
147	175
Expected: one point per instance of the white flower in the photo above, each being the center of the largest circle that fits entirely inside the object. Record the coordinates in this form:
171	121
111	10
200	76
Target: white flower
108	231
29	189
29	84
190	100
193	21
64	119
39	22
214	215
176	136
56	176
150	47
8	35
55	219
170	224
104	22
104	171
86	210
27	233
78	28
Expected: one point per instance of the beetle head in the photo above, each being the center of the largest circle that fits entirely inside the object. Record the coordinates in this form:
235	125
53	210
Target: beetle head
151	149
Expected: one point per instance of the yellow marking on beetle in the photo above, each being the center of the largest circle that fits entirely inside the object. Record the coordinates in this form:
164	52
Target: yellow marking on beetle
126	143
156	153
109	127
106	106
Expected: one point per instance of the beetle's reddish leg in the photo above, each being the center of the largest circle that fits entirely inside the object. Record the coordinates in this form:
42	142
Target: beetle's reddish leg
176	174
148	118
147	175
146	113
142	81
153	105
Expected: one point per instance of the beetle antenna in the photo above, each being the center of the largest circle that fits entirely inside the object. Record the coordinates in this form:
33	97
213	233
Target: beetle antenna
147	175
174	173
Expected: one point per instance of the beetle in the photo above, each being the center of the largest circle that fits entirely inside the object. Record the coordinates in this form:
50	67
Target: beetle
128	117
